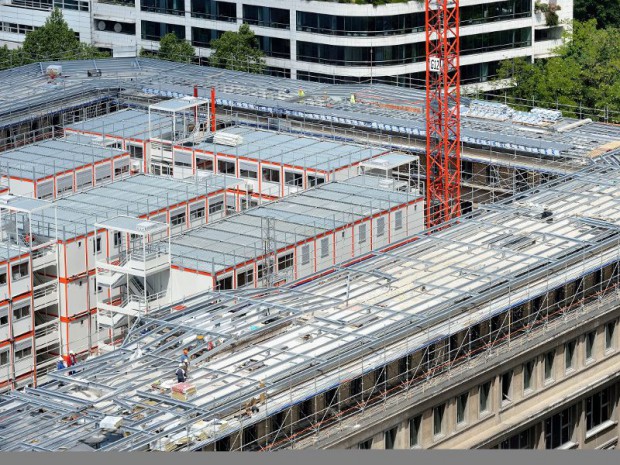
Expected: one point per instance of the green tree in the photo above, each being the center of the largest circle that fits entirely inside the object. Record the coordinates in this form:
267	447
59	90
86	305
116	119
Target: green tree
238	51
606	12
173	49
55	40
585	72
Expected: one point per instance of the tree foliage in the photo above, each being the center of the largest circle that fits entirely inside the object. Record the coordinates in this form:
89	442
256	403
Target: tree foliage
585	72
606	12
237	51
55	40
173	49
52	41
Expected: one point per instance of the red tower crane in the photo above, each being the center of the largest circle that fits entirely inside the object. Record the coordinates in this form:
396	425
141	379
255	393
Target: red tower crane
443	116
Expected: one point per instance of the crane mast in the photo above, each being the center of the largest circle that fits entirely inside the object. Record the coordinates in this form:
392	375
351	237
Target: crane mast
443	117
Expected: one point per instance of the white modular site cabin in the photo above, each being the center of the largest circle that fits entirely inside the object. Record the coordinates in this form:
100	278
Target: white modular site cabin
274	164
181	204
28	293
59	283
53	168
294	237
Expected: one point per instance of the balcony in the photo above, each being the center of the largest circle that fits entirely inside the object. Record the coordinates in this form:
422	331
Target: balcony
43	257
133	305
45	294
47	334
139	262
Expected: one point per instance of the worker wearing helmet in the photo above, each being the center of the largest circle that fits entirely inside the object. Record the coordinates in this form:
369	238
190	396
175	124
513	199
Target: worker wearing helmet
185	360
60	365
72	361
181	374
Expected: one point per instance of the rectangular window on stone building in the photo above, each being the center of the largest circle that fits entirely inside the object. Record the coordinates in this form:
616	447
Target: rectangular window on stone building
523	440
610	329
414	431
559	428
485	393
528	376
506	381
461	408
598	408
569	355
549	358
590	340
365	445
390	438
438	418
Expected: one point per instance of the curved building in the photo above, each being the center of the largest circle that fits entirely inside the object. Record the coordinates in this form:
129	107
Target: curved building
322	41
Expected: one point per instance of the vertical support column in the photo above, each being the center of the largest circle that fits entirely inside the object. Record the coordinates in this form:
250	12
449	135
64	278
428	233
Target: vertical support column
443	101
213	110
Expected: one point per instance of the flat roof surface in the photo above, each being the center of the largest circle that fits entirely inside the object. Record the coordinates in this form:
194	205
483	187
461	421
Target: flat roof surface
125	124
134	196
24	92
178	104
54	156
293	150
9	251
342	325
390	160
23	204
233	240
266	146
129	224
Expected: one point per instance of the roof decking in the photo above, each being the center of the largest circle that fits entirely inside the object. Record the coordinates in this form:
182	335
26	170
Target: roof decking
53	157
342	325
134	196
239	238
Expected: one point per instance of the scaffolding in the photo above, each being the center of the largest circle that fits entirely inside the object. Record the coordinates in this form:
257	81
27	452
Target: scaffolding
501	156
131	278
300	365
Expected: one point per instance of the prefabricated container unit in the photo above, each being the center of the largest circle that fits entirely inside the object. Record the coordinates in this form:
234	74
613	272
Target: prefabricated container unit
58	167
17	351
182	204
129	128
274	164
310	231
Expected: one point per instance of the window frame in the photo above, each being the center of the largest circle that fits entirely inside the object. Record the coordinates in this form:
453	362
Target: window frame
569	365
414	425
461	408
439	416
609	336
529	386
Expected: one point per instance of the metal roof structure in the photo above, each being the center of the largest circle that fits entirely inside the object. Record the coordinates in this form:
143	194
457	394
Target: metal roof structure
238	238
300	340
298	151
381	107
126	124
9	251
132	225
54	156
266	146
133	196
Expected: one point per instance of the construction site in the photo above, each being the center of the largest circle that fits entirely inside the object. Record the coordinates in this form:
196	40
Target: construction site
333	266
